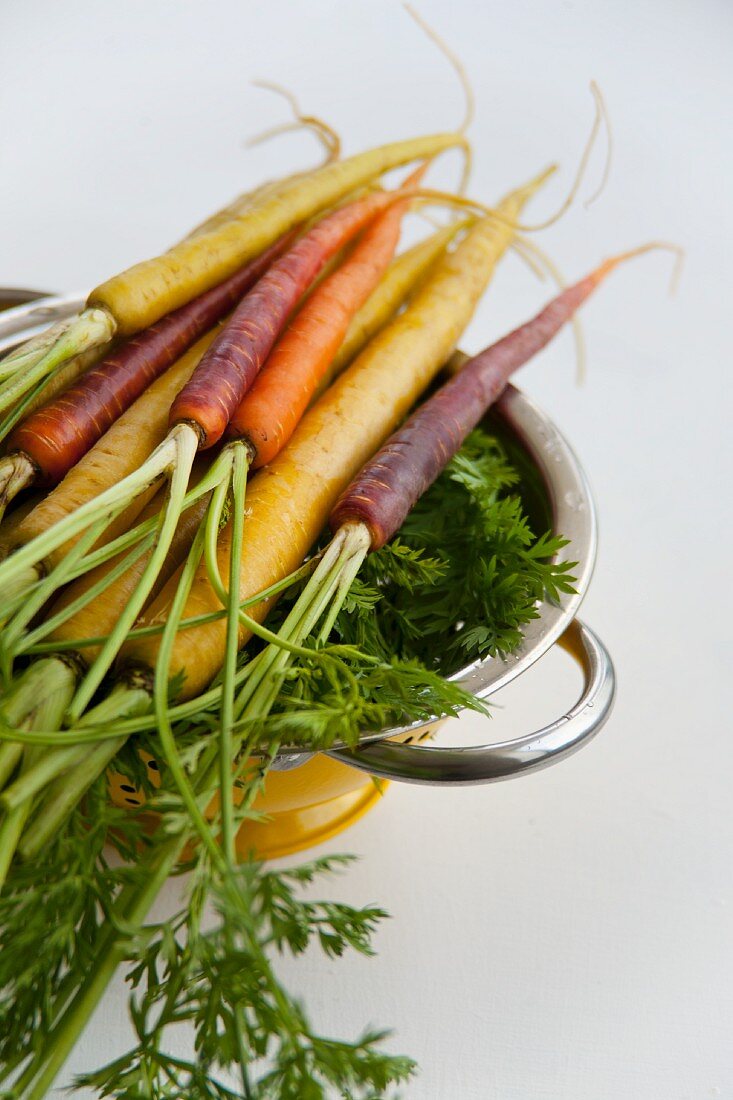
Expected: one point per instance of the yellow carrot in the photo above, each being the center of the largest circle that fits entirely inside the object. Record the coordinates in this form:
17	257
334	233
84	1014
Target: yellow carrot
289	501
144	293
140	296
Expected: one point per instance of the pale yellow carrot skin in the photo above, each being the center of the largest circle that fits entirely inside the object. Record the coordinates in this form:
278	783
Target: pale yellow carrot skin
12	521
143	294
288	502
121	450
243	204
400	281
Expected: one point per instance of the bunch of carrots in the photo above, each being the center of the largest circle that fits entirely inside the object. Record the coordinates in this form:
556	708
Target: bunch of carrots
173	454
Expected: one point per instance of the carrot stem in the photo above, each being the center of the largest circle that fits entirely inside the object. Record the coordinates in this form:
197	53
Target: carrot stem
49	711
186	448
66	787
195	620
48	626
10	754
25	702
107	505
45	768
356	548
67	775
261	689
142	530
17	472
226	719
32	350
160	702
36	599
89	329
212	568
10	833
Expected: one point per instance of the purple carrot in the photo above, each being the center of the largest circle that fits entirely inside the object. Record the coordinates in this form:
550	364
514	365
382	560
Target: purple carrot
229	367
61	432
382	495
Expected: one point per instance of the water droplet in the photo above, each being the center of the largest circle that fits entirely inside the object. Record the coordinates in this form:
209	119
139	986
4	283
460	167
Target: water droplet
574	501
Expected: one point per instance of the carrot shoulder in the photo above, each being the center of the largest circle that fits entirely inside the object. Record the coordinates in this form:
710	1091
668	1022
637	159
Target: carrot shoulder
400	282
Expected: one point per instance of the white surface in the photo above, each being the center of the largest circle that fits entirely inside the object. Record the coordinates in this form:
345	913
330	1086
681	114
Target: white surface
566	936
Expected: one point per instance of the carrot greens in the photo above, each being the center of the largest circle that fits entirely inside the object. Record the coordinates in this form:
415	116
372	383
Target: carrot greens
467	552
219	979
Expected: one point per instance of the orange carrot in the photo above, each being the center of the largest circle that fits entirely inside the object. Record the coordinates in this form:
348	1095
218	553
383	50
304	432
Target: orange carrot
269	413
208	401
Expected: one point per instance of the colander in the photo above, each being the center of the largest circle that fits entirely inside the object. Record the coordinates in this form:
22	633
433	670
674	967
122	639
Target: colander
308	797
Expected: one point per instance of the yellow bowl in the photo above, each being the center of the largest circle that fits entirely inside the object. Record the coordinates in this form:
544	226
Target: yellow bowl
302	806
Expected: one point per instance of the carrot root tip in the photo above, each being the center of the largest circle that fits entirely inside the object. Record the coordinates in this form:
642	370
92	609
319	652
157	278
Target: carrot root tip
327	136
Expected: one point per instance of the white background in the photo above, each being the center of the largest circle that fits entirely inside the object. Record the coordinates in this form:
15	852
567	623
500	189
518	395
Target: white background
567	935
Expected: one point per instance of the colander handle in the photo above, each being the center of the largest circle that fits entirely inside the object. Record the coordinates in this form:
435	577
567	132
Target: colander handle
489	763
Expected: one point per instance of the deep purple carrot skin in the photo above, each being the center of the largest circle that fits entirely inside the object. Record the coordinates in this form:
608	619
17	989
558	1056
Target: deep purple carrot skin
210	399
383	494
60	433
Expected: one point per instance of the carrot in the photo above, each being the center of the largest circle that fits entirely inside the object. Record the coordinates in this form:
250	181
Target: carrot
230	366
238	207
275	295
403	277
389	485
51	387
51	441
305	350
140	296
244	203
270	411
120	450
289	501
376	503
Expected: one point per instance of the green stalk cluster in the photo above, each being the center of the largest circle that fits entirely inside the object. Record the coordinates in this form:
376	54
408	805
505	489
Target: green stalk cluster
32	363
